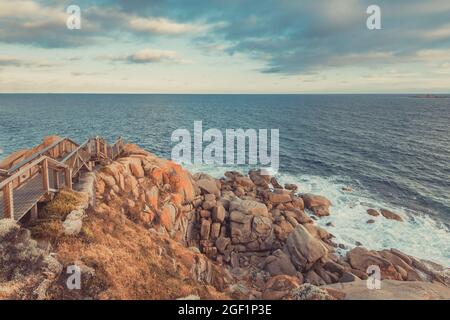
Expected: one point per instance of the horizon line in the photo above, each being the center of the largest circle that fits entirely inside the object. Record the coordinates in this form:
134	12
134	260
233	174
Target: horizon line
237	93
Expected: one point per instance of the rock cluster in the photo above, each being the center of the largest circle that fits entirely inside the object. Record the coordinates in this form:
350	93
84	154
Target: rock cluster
257	228
148	189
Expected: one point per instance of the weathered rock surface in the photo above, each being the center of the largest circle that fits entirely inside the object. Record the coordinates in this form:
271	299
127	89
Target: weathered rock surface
319	205
73	223
393	290
304	250
279	263
373	212
390	215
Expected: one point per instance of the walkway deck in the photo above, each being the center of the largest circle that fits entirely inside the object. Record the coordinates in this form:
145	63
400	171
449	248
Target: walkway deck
31	180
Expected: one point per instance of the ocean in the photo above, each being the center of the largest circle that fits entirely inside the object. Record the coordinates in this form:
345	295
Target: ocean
393	151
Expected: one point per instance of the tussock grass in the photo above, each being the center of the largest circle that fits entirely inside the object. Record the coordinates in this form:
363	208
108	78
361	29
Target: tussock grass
49	227
64	202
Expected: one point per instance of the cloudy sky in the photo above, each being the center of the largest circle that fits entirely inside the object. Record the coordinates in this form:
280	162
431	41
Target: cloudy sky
225	46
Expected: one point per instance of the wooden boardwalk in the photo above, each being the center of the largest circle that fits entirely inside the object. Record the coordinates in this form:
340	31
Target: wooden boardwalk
44	173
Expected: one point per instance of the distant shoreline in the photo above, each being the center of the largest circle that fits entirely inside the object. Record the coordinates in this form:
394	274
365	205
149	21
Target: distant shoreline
430	96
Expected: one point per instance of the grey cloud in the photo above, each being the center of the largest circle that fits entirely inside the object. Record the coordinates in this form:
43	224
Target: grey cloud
8	61
145	56
287	36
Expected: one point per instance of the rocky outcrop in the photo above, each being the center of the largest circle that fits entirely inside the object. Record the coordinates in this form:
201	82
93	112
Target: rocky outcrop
395	265
150	190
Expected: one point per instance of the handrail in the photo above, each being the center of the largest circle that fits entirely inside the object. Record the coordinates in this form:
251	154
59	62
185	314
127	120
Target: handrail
46	162
30	166
75	151
34	156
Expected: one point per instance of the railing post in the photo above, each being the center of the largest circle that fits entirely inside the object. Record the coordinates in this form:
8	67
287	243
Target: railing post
105	147
56	179
61	149
45	179
34	213
8	201
68	178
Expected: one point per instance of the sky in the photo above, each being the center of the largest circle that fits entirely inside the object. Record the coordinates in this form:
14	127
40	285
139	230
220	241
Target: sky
225	46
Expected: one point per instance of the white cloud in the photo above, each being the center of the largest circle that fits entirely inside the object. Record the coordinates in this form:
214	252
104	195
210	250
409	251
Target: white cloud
162	26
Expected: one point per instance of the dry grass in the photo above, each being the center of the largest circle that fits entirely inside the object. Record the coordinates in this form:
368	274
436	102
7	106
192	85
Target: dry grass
129	262
49	227
64	202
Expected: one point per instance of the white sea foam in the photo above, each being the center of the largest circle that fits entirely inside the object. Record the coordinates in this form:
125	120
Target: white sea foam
419	235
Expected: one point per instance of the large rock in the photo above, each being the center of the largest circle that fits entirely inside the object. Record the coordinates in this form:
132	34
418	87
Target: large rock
208	186
319	205
218	213
241	227
280	196
205	229
304	250
249	207
279	263
167	216
259	179
262	226
136	168
73	223
361	259
373	212
390	215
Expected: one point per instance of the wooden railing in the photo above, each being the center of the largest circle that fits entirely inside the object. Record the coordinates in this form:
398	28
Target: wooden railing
62	158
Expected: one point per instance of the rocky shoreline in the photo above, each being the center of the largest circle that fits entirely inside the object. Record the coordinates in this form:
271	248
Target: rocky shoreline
240	237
